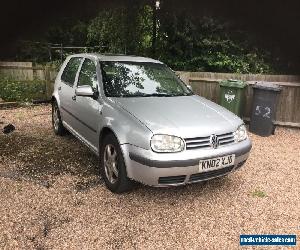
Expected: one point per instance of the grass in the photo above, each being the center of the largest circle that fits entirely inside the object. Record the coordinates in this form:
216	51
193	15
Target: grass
259	193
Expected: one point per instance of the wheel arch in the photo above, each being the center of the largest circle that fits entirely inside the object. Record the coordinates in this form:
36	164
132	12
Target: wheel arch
105	131
55	98
108	130
126	183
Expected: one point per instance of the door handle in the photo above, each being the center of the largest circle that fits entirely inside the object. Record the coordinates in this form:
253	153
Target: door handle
74	97
59	88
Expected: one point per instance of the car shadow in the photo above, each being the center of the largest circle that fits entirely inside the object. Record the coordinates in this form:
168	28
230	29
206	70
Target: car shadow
162	195
40	157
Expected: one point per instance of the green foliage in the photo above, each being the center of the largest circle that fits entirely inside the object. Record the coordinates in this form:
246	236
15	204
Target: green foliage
121	31
55	64
107	31
21	91
32	51
68	32
207	45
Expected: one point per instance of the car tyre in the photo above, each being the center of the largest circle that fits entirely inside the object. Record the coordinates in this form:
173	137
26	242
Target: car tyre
112	166
57	124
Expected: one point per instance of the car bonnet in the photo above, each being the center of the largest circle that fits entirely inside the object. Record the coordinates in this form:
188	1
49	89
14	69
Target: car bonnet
183	116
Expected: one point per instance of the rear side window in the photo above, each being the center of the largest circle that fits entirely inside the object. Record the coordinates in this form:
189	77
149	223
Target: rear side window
88	75
70	70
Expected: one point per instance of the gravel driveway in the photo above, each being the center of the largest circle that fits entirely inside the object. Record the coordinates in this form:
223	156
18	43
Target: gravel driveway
52	197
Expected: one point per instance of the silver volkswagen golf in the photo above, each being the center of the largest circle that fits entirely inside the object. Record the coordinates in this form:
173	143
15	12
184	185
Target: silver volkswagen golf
144	123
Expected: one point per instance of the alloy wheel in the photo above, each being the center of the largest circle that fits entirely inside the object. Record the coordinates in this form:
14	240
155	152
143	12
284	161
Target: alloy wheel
110	163
55	117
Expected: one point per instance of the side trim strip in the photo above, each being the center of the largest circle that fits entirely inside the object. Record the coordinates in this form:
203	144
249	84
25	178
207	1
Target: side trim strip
83	123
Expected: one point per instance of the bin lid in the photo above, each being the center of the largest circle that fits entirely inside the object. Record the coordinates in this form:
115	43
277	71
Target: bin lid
267	86
233	83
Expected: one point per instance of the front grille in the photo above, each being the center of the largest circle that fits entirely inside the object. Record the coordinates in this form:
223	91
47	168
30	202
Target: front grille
198	142
210	174
172	179
204	142
226	139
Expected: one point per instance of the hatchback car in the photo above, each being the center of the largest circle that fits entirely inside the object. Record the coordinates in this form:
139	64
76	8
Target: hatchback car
144	123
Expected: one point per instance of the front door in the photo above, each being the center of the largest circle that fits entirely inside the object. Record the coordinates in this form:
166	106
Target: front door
88	109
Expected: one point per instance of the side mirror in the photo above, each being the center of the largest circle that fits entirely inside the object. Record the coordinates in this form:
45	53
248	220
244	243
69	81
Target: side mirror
85	90
190	87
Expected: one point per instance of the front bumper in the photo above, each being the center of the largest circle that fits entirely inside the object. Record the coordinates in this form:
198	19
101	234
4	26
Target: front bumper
173	169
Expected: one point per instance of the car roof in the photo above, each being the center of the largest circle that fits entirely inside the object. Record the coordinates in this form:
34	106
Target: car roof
116	57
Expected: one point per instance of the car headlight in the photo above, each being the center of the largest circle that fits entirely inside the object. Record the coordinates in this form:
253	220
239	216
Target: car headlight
166	143
241	133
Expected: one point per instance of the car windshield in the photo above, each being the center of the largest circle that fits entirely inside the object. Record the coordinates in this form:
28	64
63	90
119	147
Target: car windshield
141	79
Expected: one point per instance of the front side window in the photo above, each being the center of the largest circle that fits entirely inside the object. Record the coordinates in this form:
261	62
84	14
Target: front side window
88	75
70	70
141	79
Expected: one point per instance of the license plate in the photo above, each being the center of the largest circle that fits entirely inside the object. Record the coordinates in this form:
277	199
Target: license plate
216	163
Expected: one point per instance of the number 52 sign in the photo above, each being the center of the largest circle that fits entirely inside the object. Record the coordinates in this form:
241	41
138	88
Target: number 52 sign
263	111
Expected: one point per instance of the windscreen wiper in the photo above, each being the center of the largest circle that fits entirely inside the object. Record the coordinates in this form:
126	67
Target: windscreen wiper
156	95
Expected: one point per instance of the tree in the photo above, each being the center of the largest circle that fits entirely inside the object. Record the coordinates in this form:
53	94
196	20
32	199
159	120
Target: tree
122	30
188	43
183	42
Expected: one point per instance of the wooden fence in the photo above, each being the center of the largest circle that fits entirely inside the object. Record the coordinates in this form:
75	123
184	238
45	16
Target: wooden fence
25	71
205	84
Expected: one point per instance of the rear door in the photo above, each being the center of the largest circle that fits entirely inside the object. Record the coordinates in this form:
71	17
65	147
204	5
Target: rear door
88	109
66	90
